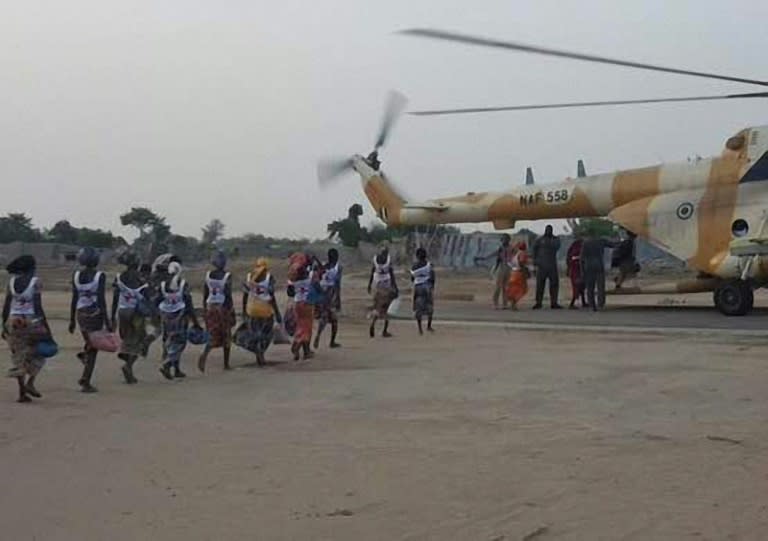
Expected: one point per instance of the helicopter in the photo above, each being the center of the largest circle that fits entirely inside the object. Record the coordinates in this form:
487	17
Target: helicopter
711	213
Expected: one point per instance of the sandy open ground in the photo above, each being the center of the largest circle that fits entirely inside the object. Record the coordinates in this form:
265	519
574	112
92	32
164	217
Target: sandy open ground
472	433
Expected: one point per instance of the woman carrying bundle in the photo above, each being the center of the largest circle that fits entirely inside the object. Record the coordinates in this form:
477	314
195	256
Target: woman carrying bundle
131	307
88	310
384	289
176	312
25	325
219	310
260	310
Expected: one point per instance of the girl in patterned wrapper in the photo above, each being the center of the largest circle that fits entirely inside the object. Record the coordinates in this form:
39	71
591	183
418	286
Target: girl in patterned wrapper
423	278
176	312
328	308
24	325
260	310
88	310
384	288
219	310
304	288
130	309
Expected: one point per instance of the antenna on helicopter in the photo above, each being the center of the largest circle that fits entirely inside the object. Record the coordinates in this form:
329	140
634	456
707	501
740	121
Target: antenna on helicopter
581	171
529	177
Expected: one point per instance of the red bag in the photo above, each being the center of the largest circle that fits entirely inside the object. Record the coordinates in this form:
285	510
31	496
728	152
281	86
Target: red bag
105	341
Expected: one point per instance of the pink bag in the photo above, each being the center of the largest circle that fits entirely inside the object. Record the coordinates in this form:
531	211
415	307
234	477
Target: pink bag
105	341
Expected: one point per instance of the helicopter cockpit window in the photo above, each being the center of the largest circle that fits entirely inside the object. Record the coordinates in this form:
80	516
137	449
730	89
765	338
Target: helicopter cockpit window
740	228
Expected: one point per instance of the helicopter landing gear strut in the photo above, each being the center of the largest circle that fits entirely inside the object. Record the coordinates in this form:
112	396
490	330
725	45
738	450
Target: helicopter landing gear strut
734	298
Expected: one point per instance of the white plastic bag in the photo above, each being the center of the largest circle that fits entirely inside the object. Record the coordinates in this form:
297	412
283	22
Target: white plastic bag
394	307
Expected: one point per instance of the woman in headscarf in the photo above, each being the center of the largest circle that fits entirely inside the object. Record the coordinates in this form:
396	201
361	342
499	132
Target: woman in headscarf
88	310
24	325
159	274
383	286
330	304
130	310
423	278
517	287
219	309
304	288
260	310
176	312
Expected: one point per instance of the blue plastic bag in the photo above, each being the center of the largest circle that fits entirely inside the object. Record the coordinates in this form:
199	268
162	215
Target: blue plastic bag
47	348
198	336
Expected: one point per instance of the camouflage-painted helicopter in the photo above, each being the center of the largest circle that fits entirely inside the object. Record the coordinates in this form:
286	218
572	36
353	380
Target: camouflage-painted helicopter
711	213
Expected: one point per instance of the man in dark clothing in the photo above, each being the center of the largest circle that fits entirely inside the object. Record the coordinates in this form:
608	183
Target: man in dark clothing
624	260
593	269
545	259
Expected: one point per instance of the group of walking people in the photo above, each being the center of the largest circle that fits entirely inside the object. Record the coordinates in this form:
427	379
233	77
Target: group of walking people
585	268
154	302
151	302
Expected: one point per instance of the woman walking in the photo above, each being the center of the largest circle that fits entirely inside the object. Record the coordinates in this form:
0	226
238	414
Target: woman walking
176	312
219	310
24	325
304	288
383	286
130	309
423	278
330	304
88	310
517	287
260	310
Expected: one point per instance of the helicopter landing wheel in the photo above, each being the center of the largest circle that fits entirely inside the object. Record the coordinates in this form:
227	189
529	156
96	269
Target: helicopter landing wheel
734	298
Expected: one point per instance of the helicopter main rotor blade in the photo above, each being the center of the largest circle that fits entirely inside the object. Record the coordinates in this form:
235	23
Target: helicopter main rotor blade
510	45
395	106
470	110
331	169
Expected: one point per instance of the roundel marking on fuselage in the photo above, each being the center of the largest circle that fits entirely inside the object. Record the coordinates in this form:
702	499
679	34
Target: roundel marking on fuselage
685	211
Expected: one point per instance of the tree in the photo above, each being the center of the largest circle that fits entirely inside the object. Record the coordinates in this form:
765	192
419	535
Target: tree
143	219
63	232
213	231
97	238
17	226
348	230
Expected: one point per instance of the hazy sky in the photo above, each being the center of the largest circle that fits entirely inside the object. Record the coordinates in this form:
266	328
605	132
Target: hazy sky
202	109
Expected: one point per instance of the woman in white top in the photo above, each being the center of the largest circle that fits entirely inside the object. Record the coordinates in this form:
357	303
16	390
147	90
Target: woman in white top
24	325
326	311
219	309
88	310
384	288
423	278
130	310
176	312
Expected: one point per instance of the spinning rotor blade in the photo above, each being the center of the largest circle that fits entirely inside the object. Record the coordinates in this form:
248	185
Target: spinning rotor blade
329	170
498	44
396	104
583	104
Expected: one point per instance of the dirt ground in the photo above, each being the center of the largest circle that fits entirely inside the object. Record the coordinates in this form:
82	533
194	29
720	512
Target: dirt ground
471	433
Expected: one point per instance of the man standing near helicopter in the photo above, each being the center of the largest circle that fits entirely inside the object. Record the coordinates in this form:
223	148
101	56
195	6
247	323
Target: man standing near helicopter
545	260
